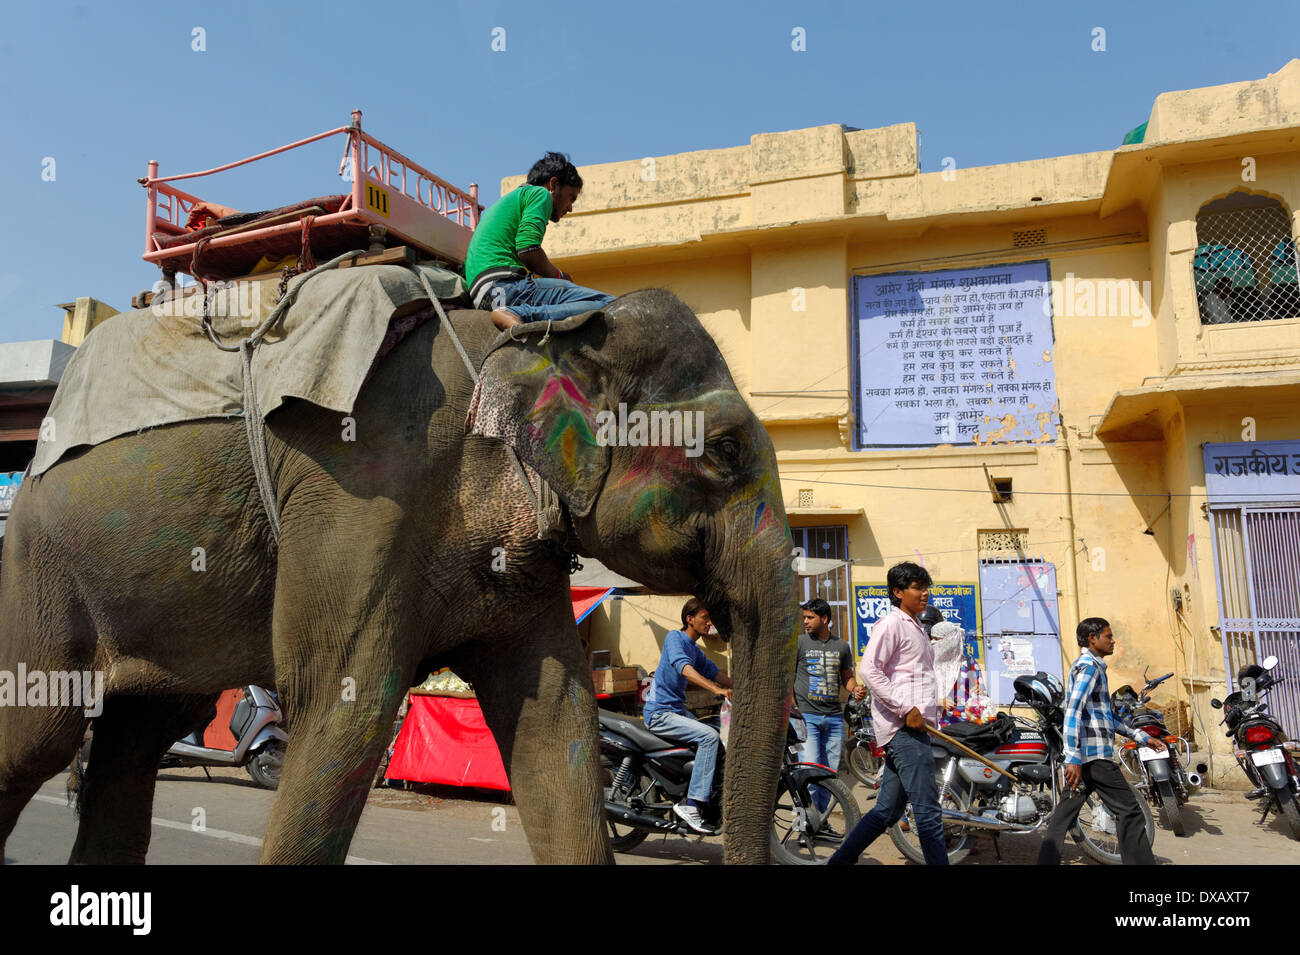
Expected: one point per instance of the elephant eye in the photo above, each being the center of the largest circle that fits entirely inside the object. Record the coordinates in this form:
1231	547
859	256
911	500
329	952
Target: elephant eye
729	448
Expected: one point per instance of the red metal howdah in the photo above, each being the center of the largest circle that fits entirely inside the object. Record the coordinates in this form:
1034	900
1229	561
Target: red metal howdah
411	205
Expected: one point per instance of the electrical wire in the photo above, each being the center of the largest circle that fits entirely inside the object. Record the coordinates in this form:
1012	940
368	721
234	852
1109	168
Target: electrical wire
792	476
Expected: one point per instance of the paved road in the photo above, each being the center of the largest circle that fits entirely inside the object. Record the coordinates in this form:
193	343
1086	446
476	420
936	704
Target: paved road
408	828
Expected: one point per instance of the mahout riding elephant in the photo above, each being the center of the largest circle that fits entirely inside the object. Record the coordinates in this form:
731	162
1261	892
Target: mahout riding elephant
406	545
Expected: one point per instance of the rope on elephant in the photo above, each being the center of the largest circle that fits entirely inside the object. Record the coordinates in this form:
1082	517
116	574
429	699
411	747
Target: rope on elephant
547	515
254	426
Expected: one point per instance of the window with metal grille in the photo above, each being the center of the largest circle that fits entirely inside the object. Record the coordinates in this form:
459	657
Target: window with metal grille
833	585
1245	263
1028	237
1257	558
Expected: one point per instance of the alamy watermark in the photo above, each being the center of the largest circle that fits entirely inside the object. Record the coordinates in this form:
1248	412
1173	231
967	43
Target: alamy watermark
80	688
76	907
1100	298
236	299
638	429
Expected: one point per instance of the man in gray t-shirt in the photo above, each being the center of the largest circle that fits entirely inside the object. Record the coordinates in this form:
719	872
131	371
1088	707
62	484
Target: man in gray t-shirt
823	665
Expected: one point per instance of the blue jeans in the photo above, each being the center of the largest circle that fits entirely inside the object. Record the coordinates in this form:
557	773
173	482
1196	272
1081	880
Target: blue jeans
908	777
823	744
538	300
706	740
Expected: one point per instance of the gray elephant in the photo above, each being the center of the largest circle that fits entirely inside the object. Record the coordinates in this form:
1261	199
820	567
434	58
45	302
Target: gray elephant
412	547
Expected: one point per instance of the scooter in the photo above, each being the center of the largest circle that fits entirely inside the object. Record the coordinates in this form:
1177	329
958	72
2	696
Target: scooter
259	741
1157	774
1263	752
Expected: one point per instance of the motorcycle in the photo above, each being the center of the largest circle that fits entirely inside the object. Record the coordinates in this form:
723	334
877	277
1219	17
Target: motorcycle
1263	752
1159	775
259	741
646	775
974	798
866	760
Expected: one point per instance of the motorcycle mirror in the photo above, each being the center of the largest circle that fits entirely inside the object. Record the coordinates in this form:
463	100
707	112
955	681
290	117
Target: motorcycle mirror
1270	662
1217	704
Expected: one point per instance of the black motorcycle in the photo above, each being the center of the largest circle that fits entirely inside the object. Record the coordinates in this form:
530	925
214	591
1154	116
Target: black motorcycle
1159	775
646	775
1263	751
865	759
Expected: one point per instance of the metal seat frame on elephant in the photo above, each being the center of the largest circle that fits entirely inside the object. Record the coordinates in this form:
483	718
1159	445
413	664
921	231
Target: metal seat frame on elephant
392	200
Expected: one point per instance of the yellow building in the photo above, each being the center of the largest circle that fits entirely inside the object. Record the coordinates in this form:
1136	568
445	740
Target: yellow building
1173	322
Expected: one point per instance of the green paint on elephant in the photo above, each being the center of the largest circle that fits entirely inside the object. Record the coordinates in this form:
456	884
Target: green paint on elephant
645	506
579	754
236	495
115	520
137	455
169	537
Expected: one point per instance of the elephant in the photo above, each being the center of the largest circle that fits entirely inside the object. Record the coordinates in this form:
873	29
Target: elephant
409	547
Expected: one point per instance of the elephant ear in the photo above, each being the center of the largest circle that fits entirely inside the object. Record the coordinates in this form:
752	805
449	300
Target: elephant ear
540	393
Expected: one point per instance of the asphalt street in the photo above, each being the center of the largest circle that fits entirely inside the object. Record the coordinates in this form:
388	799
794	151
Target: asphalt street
197	821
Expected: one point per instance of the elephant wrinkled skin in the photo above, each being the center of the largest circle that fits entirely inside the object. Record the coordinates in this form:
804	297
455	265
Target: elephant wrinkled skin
407	544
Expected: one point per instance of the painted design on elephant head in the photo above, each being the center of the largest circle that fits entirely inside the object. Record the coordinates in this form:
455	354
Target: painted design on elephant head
660	473
758	497
562	417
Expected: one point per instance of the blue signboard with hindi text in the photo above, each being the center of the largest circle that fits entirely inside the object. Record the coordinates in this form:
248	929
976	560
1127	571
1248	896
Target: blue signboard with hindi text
959	603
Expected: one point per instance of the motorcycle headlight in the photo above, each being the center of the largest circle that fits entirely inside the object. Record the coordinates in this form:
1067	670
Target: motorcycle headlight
799	727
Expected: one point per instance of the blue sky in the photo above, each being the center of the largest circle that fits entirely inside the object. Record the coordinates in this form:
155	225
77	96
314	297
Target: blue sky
104	87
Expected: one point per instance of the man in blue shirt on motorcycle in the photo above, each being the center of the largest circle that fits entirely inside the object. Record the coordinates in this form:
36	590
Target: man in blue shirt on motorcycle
665	713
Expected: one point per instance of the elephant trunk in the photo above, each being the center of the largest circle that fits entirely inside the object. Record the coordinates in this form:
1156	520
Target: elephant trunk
763	631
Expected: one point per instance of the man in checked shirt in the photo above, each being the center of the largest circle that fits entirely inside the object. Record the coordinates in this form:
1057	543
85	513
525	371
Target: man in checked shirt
1090	729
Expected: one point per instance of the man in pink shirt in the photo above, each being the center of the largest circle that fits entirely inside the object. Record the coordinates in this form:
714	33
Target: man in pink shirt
898	667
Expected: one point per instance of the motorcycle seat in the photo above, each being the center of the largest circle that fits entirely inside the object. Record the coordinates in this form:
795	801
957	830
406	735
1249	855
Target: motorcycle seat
982	738
635	731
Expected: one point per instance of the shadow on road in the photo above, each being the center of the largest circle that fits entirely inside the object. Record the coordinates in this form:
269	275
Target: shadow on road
678	849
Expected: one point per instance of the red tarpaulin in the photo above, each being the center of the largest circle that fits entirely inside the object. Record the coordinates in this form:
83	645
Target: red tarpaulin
445	740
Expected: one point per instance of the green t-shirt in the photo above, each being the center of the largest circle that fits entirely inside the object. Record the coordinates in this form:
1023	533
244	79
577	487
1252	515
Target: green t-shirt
514	223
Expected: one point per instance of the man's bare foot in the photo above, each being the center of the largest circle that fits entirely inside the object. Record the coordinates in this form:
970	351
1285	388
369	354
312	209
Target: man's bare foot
503	319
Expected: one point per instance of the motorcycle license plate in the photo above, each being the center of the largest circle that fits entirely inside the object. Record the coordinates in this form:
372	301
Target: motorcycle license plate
1147	754
1266	756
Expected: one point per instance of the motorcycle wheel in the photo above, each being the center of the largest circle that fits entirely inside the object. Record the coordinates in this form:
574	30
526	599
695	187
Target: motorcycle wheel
1170	810
791	843
625	838
957	839
1291	813
1102	843
266	765
865	767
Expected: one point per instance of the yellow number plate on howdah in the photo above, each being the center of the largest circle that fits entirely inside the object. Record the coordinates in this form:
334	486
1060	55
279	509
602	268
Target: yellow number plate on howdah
377	200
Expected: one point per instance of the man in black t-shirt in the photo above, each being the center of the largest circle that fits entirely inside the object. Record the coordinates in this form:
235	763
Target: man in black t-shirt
824	665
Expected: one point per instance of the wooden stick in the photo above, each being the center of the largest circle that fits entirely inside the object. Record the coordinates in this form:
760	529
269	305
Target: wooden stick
969	752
